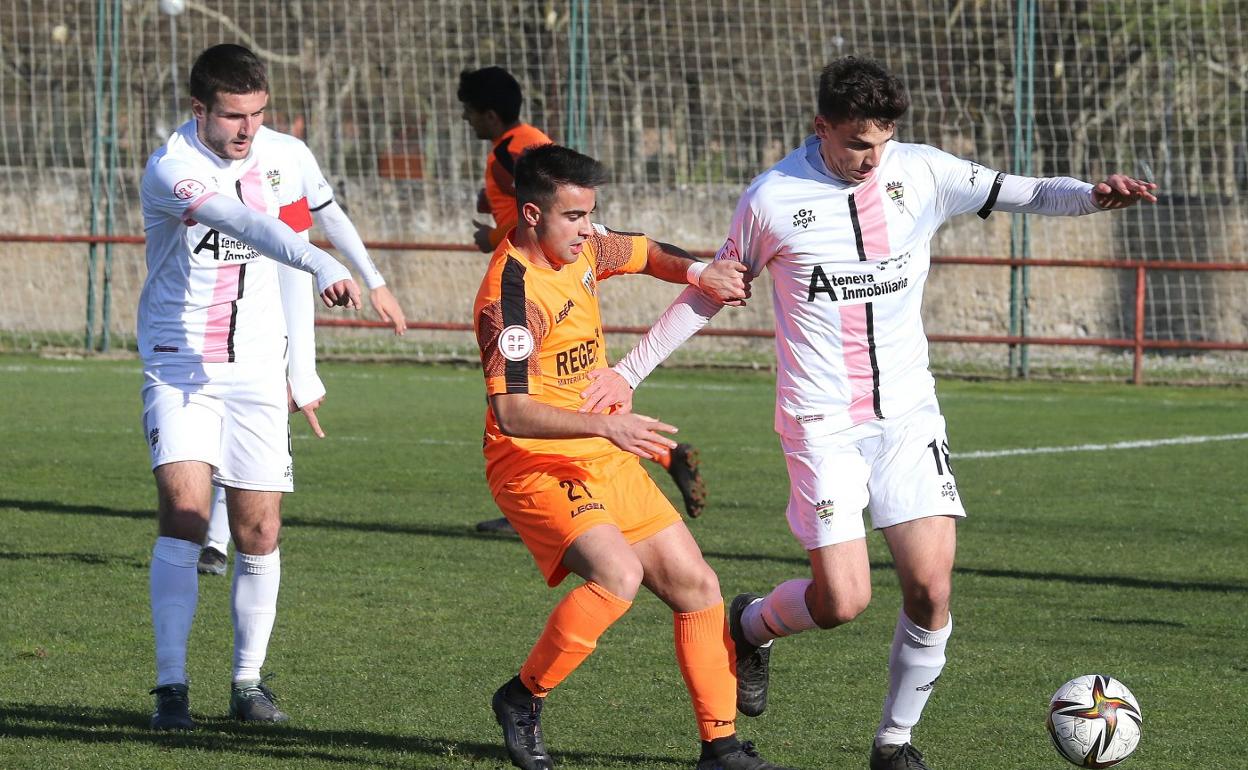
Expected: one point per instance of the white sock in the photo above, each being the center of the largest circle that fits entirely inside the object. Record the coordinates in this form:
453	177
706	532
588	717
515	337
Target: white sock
219	523
914	665
253	602
173	585
783	612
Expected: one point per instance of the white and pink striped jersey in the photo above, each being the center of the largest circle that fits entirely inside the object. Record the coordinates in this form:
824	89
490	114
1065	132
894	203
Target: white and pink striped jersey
848	263
210	296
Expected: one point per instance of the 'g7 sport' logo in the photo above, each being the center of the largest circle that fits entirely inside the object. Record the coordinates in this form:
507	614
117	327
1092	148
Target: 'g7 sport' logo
803	218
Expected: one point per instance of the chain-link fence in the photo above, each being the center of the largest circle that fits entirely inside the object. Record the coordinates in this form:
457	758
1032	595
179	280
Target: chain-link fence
685	102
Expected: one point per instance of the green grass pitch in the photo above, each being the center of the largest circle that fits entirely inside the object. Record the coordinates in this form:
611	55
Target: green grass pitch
397	622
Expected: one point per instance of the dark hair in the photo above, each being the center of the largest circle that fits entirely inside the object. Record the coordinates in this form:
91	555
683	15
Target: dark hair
491	88
543	169
227	69
861	89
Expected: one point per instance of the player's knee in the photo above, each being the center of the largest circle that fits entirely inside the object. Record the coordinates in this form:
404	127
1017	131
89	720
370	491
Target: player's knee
259	538
702	586
184	522
926	601
621	577
832	610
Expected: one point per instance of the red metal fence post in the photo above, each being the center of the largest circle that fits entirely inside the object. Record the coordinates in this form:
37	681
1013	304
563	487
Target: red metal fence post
1137	366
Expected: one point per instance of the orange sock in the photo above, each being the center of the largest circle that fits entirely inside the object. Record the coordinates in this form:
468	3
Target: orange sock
663	457
702	650
571	634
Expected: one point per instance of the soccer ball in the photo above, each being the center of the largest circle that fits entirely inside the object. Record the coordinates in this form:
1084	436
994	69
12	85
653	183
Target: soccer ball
1094	721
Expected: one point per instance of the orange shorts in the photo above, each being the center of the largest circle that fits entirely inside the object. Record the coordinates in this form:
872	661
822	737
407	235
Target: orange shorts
553	506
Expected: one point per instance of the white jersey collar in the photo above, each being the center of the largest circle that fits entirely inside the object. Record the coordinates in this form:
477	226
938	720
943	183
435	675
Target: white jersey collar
814	162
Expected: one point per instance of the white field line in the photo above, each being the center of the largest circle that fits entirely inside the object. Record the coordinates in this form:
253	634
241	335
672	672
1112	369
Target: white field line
753	449
298	434
1143	444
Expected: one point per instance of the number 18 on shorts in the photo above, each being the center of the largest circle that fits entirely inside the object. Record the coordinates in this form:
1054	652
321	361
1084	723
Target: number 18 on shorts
897	469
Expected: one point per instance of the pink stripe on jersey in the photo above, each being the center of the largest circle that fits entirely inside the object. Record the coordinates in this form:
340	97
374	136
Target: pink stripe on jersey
221	314
856	350
870	204
219	331
250	191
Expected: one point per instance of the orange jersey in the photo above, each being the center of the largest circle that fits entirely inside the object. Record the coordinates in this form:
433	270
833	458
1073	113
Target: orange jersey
500	179
540	333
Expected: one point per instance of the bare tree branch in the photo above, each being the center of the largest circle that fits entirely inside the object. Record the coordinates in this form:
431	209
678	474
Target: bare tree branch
263	53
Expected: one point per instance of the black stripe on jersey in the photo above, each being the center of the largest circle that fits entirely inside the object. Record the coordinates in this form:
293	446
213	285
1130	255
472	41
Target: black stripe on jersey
323	205
875	364
992	196
229	340
517	373
853	217
503	156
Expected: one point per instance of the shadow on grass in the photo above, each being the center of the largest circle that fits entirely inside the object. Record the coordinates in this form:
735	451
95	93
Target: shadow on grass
1138	622
96	725
466	532
93	559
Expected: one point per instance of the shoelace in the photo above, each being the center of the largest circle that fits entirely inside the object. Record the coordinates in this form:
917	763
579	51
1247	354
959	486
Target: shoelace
530	724
259	688
912	757
747	748
168	697
754	673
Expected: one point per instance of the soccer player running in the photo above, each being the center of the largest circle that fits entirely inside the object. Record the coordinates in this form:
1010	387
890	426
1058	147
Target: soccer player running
571	482
307	391
844	225
217	199
492	97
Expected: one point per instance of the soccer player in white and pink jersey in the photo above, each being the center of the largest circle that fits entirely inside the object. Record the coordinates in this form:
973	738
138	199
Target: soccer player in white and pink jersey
306	198
844	226
218	210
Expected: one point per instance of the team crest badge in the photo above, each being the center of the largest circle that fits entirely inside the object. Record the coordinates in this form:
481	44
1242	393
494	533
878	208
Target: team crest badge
824	510
275	178
589	283
896	191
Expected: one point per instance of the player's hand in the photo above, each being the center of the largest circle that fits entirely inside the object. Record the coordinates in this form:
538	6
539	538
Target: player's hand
483	203
309	413
1120	191
639	434
482	237
342	293
607	388
726	281
309	410
387	309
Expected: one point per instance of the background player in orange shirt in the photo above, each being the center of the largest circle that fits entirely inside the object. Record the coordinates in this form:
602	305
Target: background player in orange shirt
492	99
571	481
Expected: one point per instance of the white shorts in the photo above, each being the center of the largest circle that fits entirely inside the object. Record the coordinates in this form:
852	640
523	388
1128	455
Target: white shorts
231	416
898	468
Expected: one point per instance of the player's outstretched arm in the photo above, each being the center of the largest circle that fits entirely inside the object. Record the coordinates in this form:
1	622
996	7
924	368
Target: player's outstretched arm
274	239
726	282
1063	196
521	416
687	314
